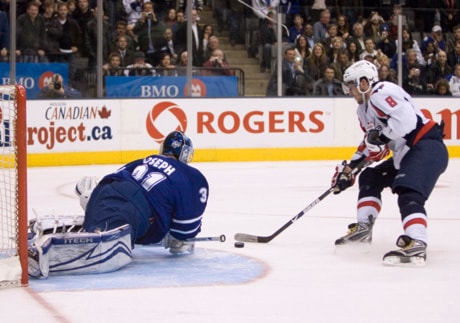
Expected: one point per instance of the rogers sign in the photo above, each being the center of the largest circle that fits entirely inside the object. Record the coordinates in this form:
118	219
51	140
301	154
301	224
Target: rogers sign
229	122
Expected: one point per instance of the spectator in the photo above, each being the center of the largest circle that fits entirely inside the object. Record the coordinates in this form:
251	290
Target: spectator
320	26
438	70
372	26
71	39
268	41
149	31
235	19
343	27
328	85
133	9
450	44
353	50
454	82
331	34
196	4
91	39
170	20
317	7
309	35
83	14
297	28
341	64
336	45
227	12
213	44
453	57
435	37
167	45
197	44
166	67
207	32
358	36
408	42
302	49
369	50
126	54
181	66
140	67
290	8
414	76
393	21
442	88
121	29
161	8
386	43
450	14
317	62
295	81
53	32
30	35
56	89
4	36
71	5
262	8
429	55
216	65
113	67
386	74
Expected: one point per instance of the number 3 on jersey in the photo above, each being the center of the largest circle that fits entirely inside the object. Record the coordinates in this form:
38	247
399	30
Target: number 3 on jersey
204	195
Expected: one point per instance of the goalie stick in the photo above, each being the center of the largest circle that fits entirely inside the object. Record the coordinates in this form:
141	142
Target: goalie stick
244	237
220	238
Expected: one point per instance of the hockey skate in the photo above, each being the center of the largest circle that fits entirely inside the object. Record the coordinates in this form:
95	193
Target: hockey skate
412	253
357	233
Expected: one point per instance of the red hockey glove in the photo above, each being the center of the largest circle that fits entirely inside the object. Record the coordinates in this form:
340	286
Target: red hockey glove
377	149
343	178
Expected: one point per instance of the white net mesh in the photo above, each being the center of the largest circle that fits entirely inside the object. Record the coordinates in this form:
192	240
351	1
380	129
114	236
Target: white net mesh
10	269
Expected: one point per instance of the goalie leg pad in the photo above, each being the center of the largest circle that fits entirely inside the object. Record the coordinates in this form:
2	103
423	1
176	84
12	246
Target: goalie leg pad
80	253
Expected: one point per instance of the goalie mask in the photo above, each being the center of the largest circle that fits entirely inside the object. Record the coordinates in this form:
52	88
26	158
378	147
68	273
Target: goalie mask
356	72
177	144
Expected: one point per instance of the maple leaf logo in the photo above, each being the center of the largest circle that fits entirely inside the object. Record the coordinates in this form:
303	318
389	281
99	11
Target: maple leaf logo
104	113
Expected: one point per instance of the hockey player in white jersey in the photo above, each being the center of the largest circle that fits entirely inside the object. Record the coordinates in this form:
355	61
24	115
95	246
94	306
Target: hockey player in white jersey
391	121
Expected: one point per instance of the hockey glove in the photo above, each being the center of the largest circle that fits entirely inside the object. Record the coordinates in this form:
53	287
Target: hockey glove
376	148
84	188
177	246
343	178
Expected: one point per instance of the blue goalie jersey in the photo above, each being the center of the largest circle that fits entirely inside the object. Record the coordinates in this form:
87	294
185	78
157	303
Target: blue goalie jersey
157	195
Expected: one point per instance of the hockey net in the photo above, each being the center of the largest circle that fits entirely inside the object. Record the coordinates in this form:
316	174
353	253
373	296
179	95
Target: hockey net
13	187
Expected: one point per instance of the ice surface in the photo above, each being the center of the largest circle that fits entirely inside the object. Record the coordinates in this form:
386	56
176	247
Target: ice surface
300	279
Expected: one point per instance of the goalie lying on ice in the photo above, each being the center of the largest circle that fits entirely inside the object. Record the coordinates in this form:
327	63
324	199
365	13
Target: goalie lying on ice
157	199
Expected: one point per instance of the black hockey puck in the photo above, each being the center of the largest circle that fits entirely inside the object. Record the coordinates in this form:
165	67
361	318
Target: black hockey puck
239	244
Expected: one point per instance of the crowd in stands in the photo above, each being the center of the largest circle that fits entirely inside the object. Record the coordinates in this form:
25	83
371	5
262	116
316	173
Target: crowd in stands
320	39
324	39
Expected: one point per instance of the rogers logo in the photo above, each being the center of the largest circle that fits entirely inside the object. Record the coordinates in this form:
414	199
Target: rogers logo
159	110
198	88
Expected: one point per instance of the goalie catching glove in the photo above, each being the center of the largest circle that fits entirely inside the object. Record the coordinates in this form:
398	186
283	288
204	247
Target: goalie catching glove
343	177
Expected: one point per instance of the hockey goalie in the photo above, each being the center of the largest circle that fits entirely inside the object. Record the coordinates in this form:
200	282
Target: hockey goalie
159	199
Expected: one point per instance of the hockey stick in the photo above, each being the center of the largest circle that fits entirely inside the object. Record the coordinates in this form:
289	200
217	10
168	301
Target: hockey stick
244	237
220	238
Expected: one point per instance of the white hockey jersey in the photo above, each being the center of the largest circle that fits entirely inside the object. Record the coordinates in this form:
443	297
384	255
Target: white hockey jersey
392	110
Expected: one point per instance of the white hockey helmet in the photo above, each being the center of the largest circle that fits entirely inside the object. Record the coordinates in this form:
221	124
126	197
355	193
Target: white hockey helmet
357	71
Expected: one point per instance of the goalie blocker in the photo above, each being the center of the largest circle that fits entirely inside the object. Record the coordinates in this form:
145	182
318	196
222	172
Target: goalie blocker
58	247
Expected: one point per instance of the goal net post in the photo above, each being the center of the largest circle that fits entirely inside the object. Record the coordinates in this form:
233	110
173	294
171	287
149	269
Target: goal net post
13	187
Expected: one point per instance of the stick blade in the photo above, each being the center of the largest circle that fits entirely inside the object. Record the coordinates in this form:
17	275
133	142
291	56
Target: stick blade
244	237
